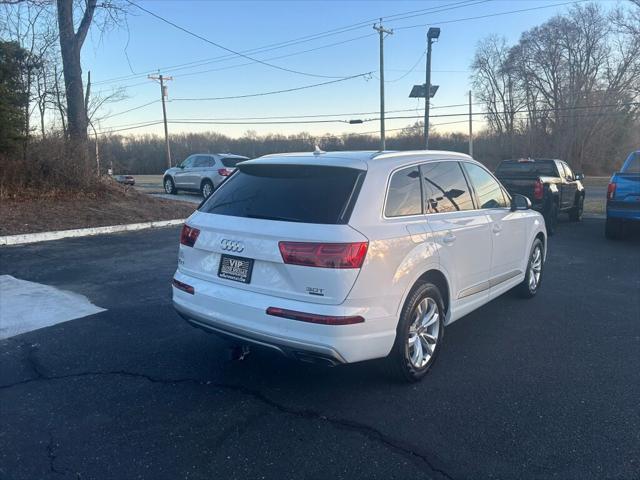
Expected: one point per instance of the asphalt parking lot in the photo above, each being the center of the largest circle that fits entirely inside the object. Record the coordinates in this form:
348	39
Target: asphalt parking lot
544	388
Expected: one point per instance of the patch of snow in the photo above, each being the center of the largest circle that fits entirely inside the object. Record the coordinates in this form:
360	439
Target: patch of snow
27	306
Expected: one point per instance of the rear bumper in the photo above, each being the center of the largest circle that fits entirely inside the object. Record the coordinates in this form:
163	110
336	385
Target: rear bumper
241	315
286	347
623	210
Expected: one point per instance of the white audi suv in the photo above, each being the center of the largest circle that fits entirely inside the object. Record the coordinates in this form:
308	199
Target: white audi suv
339	257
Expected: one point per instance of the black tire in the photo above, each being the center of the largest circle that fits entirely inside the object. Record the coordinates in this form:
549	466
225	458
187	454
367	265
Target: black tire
575	214
613	229
170	186
206	189
399	362
529	288
551	219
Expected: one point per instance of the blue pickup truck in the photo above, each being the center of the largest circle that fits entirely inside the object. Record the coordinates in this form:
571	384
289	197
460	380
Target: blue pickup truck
623	197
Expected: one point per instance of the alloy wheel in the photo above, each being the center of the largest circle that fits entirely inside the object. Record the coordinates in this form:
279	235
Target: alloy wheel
424	333
535	268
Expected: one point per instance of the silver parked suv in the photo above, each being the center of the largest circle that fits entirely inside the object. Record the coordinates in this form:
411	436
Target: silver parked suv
202	172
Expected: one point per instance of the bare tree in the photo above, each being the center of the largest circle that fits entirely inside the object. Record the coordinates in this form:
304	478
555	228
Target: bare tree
71	41
577	77
495	84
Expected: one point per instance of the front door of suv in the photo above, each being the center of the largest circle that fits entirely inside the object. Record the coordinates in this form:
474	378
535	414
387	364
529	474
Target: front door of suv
462	232
508	229
181	177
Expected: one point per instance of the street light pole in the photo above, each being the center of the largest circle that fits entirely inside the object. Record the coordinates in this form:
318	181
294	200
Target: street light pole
432	35
470	127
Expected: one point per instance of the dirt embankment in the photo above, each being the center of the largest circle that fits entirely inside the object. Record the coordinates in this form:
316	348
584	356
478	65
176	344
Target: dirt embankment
113	205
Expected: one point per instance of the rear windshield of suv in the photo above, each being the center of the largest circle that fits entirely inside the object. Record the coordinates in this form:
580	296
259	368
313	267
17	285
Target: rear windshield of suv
231	162
292	193
535	167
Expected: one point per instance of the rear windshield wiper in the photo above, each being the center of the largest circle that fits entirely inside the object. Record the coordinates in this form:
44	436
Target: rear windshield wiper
270	217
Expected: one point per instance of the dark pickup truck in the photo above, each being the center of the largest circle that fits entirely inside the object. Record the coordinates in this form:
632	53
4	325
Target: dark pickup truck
551	186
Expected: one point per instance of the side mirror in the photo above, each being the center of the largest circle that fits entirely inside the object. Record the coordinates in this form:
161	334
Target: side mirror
180	166
579	176
520	202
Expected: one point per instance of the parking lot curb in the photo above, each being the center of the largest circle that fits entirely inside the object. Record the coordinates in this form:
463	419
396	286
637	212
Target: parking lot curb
84	232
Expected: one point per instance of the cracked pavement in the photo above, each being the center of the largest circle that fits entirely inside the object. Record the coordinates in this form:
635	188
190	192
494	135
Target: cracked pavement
546	388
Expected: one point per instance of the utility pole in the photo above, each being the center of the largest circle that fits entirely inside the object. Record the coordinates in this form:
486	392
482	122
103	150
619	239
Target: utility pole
381	30
163	94
432	35
470	127
95	135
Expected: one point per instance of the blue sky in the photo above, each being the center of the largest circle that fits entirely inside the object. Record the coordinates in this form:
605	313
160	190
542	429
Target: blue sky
149	44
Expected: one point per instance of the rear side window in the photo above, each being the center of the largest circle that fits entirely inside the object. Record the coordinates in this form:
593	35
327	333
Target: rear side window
487	189
405	194
446	188
291	193
231	162
203	161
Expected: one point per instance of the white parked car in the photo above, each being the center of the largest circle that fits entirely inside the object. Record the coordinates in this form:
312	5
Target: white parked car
348	256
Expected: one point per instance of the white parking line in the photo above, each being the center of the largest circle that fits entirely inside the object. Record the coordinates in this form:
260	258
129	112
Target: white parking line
27	306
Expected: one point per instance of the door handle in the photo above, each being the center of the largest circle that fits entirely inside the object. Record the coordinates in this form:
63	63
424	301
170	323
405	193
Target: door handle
496	228
449	238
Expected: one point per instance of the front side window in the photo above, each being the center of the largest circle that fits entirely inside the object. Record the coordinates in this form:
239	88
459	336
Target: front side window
446	189
189	161
487	189
404	196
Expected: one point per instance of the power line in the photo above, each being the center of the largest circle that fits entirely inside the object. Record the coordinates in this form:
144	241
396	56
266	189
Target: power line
408	72
322	115
295	41
222	47
130	109
294	118
290	117
497	14
273	92
159	122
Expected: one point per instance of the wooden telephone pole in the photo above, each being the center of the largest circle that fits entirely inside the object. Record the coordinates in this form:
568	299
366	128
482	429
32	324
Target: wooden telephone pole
163	95
381	30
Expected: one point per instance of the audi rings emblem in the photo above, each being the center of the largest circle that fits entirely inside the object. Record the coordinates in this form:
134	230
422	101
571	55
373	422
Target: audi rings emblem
231	245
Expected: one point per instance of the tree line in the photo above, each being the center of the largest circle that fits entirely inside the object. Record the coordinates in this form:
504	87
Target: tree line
569	88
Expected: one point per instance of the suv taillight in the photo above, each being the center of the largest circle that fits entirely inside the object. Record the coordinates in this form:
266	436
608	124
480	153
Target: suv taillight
538	190
225	172
327	255
189	235
611	191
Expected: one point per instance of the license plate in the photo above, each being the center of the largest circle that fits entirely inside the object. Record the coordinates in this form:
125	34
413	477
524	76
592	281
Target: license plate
237	269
